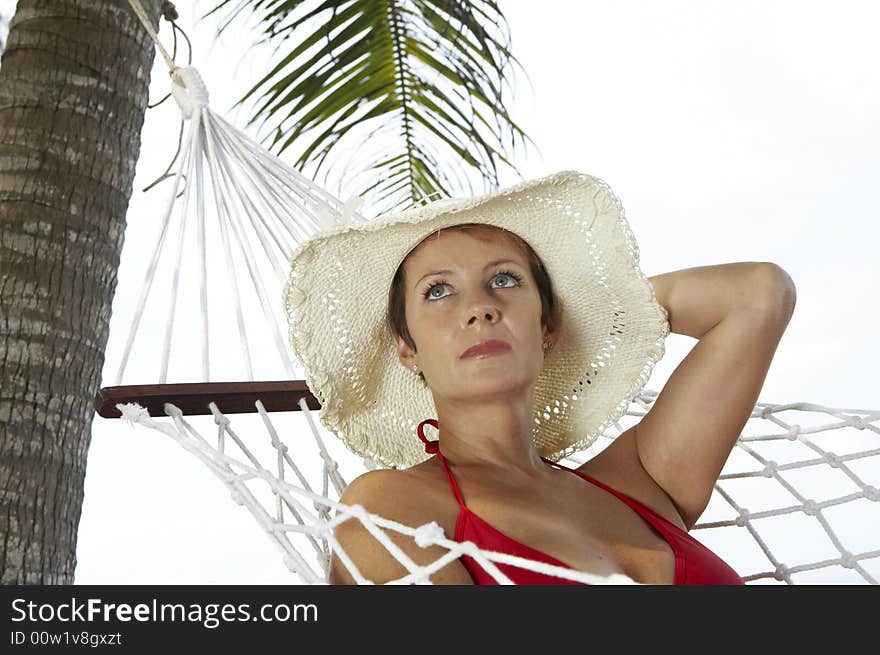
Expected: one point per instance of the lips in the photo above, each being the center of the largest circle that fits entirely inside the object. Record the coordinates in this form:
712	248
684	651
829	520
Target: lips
487	349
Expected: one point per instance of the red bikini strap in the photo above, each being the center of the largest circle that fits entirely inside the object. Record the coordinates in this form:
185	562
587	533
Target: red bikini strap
433	447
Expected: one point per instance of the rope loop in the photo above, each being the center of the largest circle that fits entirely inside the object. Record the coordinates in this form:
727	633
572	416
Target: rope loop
189	90
431	447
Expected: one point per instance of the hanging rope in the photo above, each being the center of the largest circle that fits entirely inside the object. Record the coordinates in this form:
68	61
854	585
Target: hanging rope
142	15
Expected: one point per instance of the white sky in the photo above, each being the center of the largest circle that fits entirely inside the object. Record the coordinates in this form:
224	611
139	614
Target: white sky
730	131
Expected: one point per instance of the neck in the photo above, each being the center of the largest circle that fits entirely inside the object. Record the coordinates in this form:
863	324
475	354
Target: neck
493	436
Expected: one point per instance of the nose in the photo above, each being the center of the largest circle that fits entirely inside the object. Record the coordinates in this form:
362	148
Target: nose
481	311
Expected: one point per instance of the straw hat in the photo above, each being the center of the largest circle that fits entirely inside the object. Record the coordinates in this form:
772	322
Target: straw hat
611	331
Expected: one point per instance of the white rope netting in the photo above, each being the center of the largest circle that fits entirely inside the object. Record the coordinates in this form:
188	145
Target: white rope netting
811	479
794	458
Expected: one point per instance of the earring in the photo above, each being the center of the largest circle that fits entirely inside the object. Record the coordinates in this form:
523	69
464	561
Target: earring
415	368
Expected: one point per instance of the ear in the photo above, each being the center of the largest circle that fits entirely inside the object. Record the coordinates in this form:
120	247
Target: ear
405	354
548	334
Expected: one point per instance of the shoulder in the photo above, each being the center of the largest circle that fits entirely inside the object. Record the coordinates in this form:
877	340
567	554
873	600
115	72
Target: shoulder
383	492
408	497
413	496
392	490
372	486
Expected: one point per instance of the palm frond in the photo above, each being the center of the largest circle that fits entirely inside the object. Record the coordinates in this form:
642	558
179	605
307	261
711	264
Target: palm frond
432	72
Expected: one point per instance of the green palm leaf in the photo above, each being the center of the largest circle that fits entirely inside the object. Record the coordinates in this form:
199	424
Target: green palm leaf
430	72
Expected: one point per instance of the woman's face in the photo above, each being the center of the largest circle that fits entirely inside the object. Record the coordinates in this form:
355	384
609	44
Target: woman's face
486	291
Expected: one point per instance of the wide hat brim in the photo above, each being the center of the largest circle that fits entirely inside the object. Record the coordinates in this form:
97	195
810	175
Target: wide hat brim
612	330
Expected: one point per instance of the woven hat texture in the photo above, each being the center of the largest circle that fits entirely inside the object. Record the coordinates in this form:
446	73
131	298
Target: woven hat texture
611	332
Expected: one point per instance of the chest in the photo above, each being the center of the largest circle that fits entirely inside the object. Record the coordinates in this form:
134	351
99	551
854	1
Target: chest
575	521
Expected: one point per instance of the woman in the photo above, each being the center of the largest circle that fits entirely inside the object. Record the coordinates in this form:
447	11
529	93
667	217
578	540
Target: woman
526	326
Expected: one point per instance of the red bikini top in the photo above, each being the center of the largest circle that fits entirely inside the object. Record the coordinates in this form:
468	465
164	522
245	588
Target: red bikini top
694	563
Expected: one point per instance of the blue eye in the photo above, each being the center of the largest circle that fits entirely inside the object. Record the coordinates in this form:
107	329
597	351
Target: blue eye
517	279
427	293
430	288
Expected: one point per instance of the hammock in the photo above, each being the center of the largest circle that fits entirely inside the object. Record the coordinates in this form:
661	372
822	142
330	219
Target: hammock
804	470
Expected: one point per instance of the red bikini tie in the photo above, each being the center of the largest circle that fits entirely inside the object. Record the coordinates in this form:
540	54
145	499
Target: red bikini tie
431	447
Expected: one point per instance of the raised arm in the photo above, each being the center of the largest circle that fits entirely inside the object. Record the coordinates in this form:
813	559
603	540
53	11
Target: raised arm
738	312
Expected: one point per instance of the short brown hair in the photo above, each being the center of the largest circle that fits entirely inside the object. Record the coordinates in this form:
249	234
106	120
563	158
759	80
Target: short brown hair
397	292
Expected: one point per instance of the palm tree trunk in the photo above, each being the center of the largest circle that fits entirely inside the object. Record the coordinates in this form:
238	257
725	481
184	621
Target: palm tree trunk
73	92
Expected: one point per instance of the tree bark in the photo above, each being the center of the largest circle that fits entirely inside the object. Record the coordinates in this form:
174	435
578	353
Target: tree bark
74	87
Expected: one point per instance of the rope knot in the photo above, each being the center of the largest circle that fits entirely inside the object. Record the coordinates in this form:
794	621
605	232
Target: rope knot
189	90
169	11
848	561
221	419
132	412
431	447
781	570
172	410
428	534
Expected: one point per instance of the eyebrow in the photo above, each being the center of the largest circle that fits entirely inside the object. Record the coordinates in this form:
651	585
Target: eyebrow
487	266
